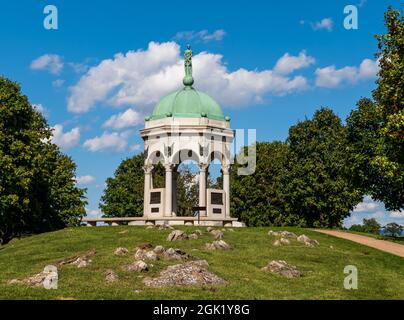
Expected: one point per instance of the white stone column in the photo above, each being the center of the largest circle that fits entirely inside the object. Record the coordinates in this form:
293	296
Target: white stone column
169	195
147	186
174	191
202	187
226	188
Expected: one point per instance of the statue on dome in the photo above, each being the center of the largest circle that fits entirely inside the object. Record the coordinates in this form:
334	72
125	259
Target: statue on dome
188	79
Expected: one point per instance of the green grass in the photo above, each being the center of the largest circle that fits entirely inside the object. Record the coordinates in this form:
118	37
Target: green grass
381	275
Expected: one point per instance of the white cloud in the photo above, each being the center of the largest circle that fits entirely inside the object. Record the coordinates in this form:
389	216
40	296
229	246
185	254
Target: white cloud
58	83
397	214
116	142
324	24
367	205
93	212
203	35
40	108
65	140
50	62
287	63
129	118
78	67
331	77
143	77
83	180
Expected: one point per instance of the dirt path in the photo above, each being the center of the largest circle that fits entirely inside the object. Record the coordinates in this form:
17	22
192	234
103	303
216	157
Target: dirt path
387	246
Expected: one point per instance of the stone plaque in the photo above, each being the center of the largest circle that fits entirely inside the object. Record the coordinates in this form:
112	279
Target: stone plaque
216	198
155	197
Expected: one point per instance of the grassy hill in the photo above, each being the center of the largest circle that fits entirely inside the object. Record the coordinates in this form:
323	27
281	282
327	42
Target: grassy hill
381	275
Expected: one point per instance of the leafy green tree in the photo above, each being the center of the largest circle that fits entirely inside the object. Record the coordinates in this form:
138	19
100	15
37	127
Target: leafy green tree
393	229
37	182
357	228
255	199
371	226
316	185
123	195
376	129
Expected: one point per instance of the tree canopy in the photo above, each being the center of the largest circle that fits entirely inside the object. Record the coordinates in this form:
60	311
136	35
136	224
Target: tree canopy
37	182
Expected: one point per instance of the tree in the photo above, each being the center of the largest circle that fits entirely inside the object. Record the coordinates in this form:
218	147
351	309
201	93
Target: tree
376	128
393	229
256	199
357	228
371	226
37	182
123	195
316	185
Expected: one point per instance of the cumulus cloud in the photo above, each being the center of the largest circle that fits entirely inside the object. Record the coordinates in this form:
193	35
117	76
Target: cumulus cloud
65	140
397	214
40	108
127	119
93	212
287	63
53	63
203	35
367	205
115	142
324	24
143	77
331	77
84	180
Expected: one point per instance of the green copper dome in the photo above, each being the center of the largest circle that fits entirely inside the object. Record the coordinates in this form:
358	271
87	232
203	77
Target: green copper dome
188	102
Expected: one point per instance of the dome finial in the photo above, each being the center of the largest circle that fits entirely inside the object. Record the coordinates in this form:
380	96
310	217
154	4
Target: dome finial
188	81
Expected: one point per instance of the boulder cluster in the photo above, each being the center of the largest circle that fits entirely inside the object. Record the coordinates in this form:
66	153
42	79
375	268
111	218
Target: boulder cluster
287	234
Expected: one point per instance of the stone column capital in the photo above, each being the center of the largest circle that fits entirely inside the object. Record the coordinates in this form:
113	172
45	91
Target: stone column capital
226	168
203	166
148	168
169	166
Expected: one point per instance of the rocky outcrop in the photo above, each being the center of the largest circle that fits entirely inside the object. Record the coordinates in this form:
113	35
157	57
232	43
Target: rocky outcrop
111	276
282	268
217	245
121	251
307	241
188	274
177	235
137	266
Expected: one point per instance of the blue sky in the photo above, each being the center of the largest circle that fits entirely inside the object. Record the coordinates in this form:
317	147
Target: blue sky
269	64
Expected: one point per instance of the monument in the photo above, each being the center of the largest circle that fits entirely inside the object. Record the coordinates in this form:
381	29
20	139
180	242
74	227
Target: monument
187	125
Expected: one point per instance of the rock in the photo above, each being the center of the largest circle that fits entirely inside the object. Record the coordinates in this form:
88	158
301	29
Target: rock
217	234
176	254
121	251
165	226
217	245
187	274
277	243
150	227
123	232
177	235
209	229
288	234
143	254
198	232
273	233
159	249
231	229
193	236
284	241
111	276
303	238
282	268
80	261
46	278
145	246
307	241
138	266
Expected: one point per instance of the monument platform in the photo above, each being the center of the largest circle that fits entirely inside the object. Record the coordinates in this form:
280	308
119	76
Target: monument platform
187	221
